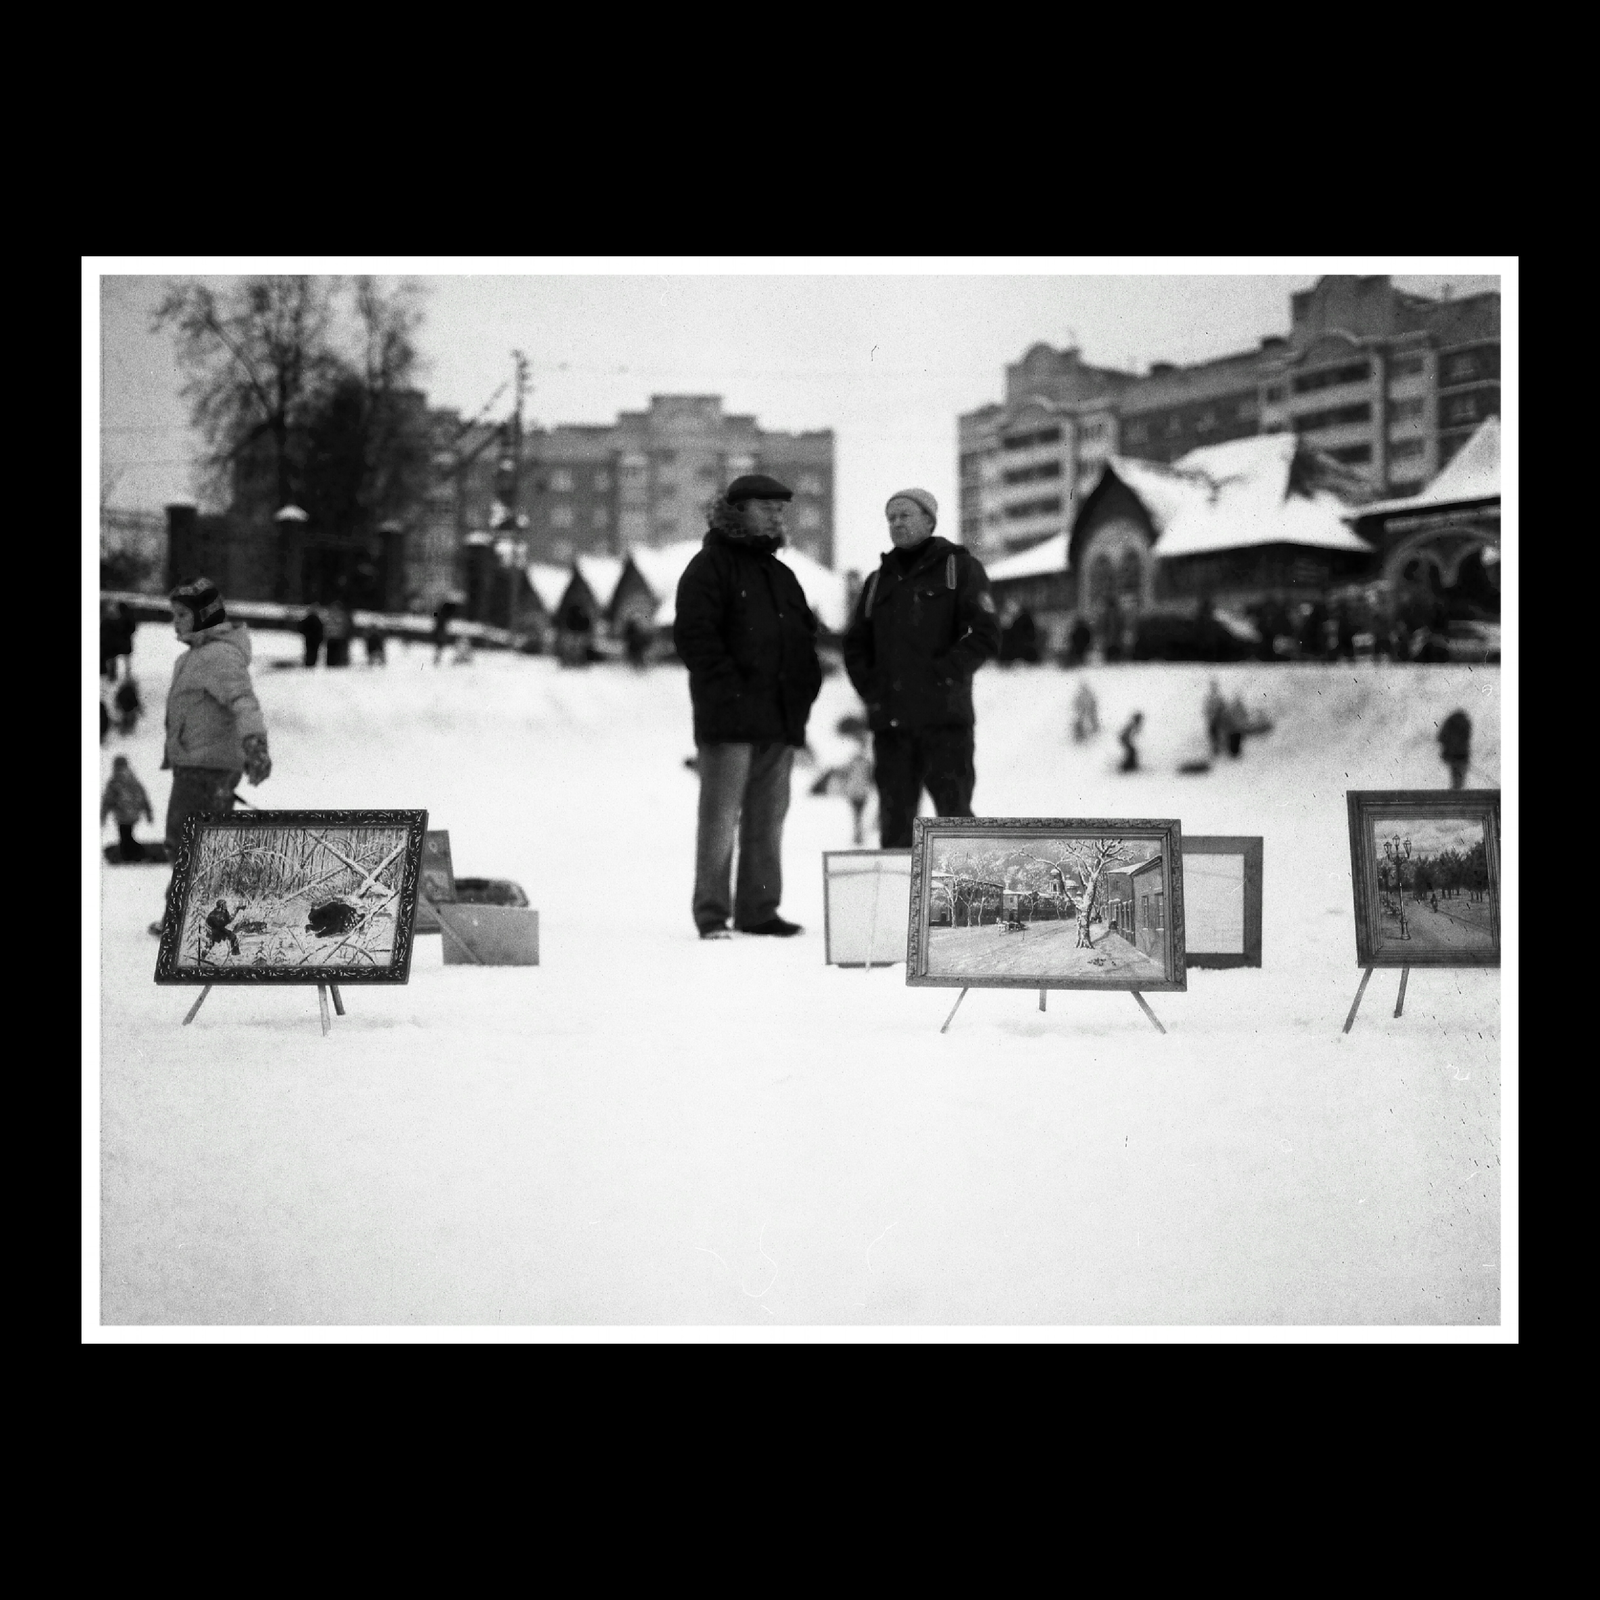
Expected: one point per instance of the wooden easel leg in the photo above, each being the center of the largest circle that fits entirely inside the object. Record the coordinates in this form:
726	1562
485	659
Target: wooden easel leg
1041	999
1355	1005
953	1009
322	1004
195	1008
338	1004
1145	1007
1400	999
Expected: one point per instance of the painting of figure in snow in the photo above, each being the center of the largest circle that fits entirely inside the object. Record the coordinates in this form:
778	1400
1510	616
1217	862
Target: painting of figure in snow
292	896
1046	903
1428	877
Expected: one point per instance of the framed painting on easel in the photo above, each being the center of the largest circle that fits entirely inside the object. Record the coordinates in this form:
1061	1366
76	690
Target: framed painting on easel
293	897
1425	877
1047	903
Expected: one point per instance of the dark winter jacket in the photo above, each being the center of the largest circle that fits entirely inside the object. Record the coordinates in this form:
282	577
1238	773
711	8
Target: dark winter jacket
748	638
918	636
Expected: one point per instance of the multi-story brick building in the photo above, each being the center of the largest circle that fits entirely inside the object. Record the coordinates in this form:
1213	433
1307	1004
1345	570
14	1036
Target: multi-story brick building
1387	383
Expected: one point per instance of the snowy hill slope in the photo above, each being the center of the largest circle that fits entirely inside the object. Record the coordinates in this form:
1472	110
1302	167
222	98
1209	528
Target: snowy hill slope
648	1129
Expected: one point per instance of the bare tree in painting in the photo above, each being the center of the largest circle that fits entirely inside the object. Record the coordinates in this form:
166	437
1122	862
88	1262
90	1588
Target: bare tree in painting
1089	860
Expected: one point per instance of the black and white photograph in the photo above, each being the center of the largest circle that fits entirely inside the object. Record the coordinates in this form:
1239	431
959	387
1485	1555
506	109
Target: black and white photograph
644	696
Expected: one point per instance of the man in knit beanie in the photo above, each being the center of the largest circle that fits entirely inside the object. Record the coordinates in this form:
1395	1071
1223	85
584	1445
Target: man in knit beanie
925	622
216	734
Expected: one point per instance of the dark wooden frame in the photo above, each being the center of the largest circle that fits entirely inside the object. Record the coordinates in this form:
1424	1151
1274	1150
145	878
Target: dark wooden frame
1165	831
1251	847
399	969
827	918
1366	807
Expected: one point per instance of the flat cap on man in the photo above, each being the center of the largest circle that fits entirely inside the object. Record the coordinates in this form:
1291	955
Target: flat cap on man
757	486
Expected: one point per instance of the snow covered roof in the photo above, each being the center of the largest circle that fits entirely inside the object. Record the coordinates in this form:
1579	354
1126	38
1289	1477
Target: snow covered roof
601	574
1048	556
1236	495
1473	473
548	582
825	590
662	567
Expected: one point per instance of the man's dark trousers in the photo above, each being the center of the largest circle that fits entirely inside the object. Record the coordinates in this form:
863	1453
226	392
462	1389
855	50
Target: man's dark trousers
908	760
744	795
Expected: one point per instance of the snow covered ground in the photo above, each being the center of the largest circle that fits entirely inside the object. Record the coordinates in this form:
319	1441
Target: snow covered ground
650	1130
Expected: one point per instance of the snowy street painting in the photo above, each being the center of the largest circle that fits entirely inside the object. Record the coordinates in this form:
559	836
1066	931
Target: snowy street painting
1048	903
294	896
1430	879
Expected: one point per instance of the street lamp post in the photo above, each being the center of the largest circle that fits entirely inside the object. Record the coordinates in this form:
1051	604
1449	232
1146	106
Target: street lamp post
1397	852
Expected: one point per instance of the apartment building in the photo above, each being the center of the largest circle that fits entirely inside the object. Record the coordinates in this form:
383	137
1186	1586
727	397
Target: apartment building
1388	383
1024	464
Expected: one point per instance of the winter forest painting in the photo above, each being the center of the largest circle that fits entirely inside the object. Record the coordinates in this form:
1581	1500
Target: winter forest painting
295	898
1047	907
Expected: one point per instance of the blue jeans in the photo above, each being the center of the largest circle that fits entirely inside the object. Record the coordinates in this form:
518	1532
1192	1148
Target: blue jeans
744	795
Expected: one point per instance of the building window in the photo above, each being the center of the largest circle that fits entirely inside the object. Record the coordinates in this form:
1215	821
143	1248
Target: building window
1405	410
665	491
561	516
1135	433
602	480
1026	441
1400	449
561	481
810	517
1406	366
1352	453
665	458
810	483
1207	420
1406	486
1459	409
600	517
1161	910
1334	417
1354	372
1274	393
1045	469
1033	508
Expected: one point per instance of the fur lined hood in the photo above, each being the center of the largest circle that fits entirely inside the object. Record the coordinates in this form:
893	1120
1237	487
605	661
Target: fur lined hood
725	525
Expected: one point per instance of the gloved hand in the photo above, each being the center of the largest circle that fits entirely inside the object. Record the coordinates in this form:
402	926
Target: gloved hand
257	763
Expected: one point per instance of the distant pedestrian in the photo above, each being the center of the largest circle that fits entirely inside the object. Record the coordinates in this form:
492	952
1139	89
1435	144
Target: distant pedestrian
923	625
1085	714
216	734
748	638
126	800
1455	746
129	706
636	642
1078	642
376	641
1130	751
441	629
312	631
1216	714
340	629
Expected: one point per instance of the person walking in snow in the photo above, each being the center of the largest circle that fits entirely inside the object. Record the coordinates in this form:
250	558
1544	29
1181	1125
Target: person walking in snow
924	623
1085	715
748	637
128	704
311	630
215	731
1455	746
125	799
1130	751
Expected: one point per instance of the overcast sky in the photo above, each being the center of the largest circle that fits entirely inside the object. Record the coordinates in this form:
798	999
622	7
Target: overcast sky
886	359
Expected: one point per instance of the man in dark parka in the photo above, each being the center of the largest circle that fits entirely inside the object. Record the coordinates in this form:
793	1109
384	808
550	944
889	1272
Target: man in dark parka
748	638
924	624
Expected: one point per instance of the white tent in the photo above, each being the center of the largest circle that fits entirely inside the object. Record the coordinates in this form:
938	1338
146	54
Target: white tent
601	574
548	583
